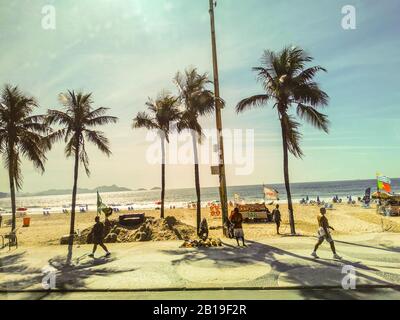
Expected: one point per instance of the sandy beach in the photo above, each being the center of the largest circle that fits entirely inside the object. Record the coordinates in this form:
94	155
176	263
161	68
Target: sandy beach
346	219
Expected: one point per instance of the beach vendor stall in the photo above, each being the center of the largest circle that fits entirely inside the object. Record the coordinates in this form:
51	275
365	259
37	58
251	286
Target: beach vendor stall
387	204
255	212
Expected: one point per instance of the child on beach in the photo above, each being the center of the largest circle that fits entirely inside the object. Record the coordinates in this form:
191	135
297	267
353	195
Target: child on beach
98	235
277	218
324	234
236	218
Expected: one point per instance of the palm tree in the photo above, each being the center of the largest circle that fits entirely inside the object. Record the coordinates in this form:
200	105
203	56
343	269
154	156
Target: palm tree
197	101
163	112
287	82
77	119
21	135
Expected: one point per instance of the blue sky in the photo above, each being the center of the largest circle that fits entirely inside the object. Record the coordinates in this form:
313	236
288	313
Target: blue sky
124	51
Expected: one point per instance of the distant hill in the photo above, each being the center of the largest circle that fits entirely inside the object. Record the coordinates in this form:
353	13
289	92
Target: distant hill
141	189
53	192
3	195
155	188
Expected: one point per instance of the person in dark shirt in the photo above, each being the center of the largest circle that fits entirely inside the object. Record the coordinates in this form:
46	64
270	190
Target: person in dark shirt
324	234
277	218
236	218
98	235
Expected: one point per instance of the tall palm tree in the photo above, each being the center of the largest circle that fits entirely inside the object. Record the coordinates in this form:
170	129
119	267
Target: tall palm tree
78	119
197	101
163	113
288	82
22	135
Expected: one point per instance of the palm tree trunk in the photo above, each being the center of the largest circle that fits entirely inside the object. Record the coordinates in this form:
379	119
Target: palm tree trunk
162	176
74	191
12	194
197	181
286	177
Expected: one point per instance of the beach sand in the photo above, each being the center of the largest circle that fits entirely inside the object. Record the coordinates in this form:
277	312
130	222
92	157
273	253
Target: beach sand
346	219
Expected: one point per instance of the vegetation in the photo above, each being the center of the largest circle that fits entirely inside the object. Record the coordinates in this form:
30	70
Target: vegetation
77	119
162	113
197	101
22	135
287	83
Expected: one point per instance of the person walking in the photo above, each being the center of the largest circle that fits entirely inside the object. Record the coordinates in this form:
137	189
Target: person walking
277	218
324	234
98	236
236	218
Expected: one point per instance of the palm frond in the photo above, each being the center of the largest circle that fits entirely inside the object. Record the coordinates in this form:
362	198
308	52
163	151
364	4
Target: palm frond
70	146
310	94
196	99
31	146
21	133
163	112
293	135
312	116
78	115
143	120
101	120
309	74
84	158
253	101
99	140
96	113
59	117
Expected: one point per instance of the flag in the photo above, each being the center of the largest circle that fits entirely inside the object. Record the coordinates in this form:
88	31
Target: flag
101	207
367	196
384	183
271	194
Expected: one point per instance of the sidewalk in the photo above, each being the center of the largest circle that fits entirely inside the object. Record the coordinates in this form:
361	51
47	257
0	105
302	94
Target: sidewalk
278	263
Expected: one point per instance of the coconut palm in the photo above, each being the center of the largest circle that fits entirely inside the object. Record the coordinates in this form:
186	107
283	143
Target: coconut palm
78	118
22	135
163	113
289	83
197	101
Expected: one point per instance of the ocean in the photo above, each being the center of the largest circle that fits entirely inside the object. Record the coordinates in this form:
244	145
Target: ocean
180	197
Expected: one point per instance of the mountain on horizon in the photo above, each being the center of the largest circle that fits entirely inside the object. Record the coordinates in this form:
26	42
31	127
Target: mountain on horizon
54	192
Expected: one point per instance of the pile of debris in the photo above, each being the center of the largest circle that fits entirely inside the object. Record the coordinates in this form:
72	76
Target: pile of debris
151	229
200	243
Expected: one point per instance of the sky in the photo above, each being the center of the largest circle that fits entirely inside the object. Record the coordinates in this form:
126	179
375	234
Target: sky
124	51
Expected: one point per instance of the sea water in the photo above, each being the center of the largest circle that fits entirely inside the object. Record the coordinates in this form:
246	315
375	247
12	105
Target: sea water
179	198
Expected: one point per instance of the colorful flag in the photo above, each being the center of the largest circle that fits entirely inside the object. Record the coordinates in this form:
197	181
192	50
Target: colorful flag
384	183
271	194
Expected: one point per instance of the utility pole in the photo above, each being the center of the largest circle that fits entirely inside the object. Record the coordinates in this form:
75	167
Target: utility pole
221	171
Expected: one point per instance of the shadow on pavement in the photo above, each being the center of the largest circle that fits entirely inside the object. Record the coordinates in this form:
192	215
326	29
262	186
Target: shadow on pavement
68	276
74	276
382	247
300	271
14	264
